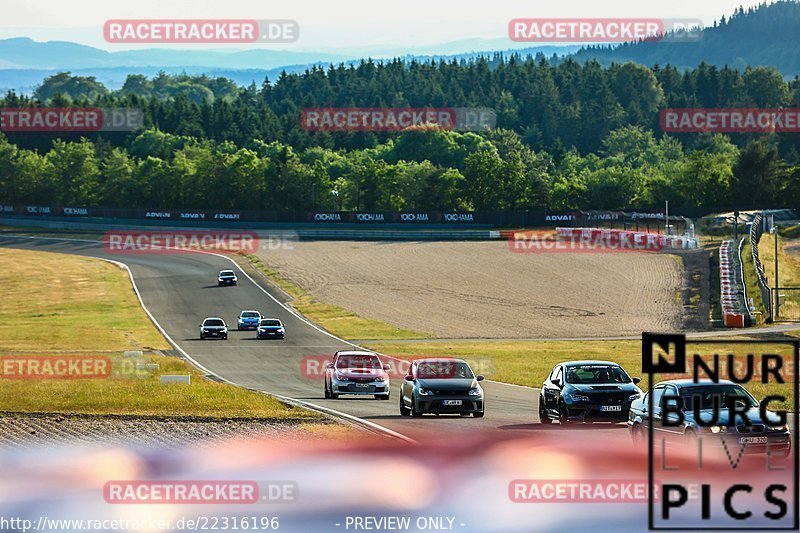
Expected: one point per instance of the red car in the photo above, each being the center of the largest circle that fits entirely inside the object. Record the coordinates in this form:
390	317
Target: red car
357	372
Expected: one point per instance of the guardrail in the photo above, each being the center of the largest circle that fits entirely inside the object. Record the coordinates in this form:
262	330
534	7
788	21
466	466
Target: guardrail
756	230
736	312
101	225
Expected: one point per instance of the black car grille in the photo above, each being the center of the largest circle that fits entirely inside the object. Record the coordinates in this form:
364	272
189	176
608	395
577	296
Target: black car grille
608	397
445	393
754	428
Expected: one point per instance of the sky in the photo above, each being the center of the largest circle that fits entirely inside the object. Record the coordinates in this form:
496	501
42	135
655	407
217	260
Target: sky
338	24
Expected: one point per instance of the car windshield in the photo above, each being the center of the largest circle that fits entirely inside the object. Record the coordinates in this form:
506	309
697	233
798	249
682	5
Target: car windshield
250	314
444	370
596	374
213	322
270	322
358	361
709	395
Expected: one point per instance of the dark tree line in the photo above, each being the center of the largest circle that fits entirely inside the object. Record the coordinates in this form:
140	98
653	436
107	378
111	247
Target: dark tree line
569	135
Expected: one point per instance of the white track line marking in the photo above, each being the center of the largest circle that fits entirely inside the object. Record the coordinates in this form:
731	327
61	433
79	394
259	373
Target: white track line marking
286	399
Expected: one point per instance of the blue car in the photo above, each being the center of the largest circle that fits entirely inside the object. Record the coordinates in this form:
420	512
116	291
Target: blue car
248	320
270	328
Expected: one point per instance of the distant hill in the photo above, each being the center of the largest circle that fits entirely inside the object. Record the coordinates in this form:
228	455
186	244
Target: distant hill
24	63
766	35
24	53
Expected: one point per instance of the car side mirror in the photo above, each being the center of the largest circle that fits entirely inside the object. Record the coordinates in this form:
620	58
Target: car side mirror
409	378
637	381
329	366
238	317
557	383
479	378
386	367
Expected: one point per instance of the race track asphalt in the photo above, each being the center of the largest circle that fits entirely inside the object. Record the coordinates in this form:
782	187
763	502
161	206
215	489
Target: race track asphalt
180	290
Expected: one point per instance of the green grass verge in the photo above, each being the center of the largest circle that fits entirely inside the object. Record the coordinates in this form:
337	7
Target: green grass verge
339	321
130	392
57	304
788	270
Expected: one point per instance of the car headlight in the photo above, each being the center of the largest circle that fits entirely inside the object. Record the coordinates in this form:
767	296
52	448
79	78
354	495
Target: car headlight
579	397
425	392
280	330
718	429
342	378
633	397
379	379
475	391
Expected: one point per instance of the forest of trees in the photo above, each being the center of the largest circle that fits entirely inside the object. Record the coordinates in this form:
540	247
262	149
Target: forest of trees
570	136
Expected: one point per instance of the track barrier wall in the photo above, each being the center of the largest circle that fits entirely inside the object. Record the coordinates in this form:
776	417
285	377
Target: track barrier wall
756	230
736	312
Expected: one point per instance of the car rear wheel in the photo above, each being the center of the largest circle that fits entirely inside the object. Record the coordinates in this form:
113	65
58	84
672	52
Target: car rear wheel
404	411
544	418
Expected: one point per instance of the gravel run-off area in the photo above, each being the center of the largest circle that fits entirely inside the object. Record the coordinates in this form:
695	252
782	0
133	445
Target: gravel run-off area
483	290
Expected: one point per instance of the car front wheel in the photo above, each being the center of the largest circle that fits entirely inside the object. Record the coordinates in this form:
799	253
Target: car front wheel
544	418
414	411
637	435
563	414
404	411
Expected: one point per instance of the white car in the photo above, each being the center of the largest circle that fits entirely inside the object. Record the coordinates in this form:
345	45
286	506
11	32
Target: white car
226	277
213	327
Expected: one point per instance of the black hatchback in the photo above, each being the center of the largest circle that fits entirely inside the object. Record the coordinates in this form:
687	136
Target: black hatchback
587	391
441	386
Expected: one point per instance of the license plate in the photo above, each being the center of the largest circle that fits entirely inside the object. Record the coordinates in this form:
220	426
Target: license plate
362	385
451	402
611	408
752	440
